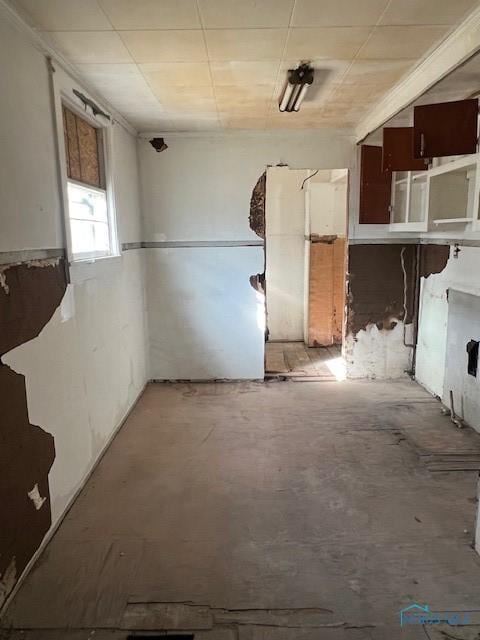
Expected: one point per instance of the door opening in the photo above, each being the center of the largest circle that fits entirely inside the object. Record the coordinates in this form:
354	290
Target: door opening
305	251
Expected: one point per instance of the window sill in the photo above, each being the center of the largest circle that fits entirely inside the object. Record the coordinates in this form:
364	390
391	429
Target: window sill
90	268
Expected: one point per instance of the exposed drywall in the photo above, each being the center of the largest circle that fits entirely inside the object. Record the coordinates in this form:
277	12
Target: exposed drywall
285	252
461	274
199	190
381	290
381	294
83	366
29	295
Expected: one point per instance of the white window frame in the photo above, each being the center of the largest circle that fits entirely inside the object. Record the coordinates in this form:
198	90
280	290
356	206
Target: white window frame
63	87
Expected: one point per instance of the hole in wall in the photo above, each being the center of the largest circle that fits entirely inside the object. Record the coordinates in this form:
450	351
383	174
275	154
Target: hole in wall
472	350
257	206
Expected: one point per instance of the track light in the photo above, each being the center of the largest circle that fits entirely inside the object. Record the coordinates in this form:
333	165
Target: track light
296	87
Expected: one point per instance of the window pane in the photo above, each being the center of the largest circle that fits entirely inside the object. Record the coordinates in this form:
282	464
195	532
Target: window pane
89	238
87	204
89	223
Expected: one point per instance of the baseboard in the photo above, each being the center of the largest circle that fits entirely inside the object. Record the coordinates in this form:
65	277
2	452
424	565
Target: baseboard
53	529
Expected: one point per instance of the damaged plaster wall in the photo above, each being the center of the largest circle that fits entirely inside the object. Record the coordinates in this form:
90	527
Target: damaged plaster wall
461	274
67	379
197	195
381	287
29	295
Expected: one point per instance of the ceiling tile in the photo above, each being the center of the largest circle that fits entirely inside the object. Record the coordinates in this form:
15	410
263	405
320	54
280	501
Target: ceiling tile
65	15
89	46
355	93
377	72
194	123
245	14
433	12
177	74
245	44
166	46
240	94
186	99
121	84
244	73
342	43
337	13
152	14
390	43
244	122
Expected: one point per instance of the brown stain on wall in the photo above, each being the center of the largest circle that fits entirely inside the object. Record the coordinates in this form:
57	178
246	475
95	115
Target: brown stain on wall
376	281
433	258
29	295
376	285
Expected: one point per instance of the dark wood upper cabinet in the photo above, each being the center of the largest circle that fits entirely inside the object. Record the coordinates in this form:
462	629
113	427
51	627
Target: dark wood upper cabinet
398	150
375	187
445	129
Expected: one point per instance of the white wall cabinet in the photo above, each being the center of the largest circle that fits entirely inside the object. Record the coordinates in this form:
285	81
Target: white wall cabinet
445	194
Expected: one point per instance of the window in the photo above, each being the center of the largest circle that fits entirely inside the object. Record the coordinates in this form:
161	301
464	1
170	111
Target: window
92	228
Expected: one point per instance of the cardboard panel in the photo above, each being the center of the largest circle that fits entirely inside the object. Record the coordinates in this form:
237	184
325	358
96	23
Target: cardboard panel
84	150
445	129
398	150
375	187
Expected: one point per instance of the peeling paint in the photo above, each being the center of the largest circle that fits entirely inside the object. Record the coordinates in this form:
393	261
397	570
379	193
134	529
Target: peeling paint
33	295
379	353
48	262
36	498
257	206
381	285
27	452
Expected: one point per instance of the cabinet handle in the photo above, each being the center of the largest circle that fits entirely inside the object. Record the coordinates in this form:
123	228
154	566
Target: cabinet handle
422	145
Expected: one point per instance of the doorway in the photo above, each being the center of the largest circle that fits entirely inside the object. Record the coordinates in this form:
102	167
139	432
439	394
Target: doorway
305	251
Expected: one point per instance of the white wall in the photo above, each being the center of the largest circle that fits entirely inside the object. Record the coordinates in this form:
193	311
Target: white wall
327	206
285	252
88	365
199	189
30	211
463	326
461	273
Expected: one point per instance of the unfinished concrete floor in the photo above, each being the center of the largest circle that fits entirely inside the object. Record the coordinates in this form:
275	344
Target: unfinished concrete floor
263	511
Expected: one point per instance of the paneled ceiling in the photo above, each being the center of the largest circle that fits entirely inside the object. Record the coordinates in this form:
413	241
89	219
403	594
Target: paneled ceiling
189	65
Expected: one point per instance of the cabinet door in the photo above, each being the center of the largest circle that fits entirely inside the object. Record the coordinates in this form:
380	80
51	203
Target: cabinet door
445	129
375	187
398	150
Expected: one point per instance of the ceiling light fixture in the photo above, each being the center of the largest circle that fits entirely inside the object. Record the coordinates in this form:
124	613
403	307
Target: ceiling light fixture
298	81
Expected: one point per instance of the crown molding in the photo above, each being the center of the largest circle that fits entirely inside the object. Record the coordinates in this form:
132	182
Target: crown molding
50	53
456	49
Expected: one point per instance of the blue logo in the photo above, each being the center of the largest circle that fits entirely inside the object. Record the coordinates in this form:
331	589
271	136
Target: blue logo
421	614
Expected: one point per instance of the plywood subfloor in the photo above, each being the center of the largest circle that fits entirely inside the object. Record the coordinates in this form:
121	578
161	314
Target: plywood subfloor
295	359
262	511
